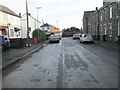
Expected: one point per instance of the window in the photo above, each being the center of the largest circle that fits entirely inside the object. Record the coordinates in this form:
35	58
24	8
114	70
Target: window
110	11
119	5
47	28
105	13
118	28
4	16
101	29
19	33
105	30
11	19
101	17
110	29
11	33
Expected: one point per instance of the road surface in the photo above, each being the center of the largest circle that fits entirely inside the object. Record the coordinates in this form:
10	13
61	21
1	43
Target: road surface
68	64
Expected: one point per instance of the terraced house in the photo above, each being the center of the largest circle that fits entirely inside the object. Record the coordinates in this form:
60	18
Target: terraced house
10	24
119	19
103	23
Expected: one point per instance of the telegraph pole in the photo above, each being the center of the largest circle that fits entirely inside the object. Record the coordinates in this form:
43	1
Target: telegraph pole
28	42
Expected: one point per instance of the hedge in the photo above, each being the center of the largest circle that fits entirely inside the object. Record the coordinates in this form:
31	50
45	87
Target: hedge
42	35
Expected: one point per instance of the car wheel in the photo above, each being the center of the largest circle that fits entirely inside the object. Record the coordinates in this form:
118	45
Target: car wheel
58	41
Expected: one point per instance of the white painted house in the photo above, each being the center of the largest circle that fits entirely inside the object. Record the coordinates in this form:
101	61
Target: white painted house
10	23
33	24
46	28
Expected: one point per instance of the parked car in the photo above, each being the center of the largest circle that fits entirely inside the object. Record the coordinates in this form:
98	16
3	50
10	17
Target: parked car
86	38
58	34
77	36
4	42
54	38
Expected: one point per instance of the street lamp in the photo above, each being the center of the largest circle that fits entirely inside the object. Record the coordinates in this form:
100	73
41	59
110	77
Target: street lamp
37	21
37	16
56	27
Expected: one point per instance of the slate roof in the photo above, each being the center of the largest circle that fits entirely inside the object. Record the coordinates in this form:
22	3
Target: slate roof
7	10
87	13
45	25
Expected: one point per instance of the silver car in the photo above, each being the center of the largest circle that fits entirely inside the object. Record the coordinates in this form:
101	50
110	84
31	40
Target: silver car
86	38
54	38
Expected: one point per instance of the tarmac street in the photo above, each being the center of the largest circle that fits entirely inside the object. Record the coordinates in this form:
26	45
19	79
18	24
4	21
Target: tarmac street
68	64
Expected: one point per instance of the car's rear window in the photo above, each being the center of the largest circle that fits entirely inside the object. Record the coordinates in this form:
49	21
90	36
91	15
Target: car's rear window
53	36
87	35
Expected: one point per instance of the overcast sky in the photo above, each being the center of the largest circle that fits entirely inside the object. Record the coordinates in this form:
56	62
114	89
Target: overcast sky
67	12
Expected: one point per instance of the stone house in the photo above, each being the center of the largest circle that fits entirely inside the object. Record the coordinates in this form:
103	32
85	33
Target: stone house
85	20
103	23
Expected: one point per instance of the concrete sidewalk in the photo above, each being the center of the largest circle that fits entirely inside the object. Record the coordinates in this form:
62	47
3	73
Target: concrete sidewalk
14	55
108	44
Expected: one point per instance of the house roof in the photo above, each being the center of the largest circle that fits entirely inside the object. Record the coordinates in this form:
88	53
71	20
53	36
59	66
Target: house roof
7	10
87	13
45	25
107	5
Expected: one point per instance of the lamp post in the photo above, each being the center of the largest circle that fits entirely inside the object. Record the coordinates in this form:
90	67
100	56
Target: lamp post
28	40
98	33
37	16
57	27
57	23
37	21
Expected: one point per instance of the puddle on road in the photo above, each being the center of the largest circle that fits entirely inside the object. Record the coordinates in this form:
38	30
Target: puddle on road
74	61
49	79
36	65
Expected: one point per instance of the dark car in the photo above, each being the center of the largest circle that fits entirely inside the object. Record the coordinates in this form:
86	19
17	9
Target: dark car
4	42
77	36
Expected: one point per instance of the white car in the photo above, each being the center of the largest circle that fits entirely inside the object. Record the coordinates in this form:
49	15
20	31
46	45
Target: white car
54	38
86	38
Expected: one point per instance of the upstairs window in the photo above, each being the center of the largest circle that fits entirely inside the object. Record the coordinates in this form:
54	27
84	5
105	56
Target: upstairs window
119	4
47	28
105	14
101	17
4	17
110	11
118	29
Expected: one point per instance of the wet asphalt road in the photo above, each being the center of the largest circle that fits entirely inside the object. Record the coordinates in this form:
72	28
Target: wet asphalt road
68	64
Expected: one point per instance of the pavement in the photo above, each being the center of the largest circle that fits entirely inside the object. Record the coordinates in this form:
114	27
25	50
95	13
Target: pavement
16	54
107	44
